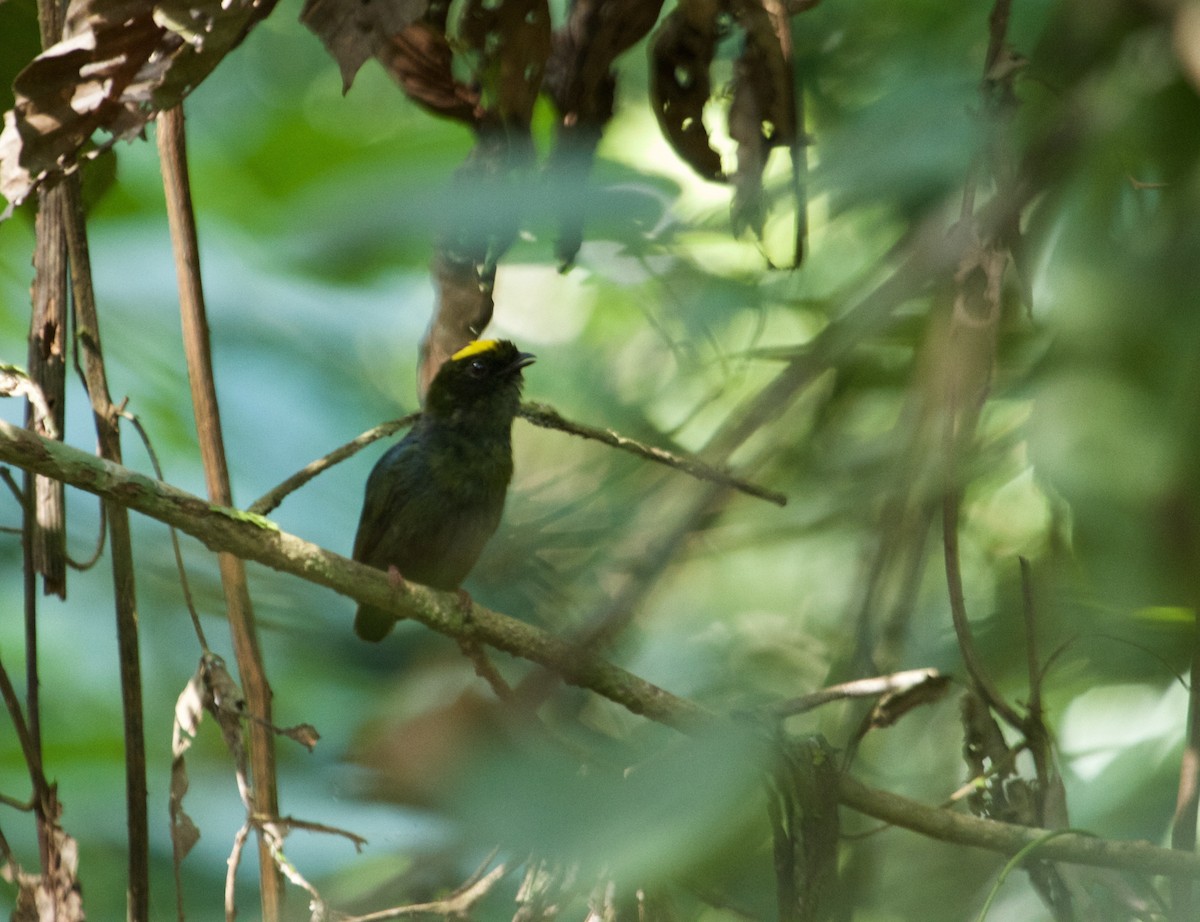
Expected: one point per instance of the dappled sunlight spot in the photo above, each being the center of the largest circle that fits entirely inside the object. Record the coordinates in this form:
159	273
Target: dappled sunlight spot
1095	434
1013	519
1102	722
635	139
536	305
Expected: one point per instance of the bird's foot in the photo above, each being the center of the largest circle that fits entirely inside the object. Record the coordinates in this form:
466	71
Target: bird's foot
465	602
395	579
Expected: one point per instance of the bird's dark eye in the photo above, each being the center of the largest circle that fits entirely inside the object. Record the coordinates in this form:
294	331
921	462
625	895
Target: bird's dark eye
477	369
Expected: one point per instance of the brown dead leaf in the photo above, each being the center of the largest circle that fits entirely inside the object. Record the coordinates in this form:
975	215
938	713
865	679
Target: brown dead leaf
584	49
120	62
304	734
762	115
511	40
680	87
580	80
420	59
54	896
353	31
190	706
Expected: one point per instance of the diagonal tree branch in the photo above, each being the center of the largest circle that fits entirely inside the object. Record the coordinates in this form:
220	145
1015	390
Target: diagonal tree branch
252	537
172	147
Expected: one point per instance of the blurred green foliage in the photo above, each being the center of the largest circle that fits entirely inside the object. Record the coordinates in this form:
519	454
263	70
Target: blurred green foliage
316	216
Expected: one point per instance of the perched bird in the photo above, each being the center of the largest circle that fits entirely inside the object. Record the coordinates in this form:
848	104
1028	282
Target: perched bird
435	498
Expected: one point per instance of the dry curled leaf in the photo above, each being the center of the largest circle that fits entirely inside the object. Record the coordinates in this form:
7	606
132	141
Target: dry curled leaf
193	701
304	734
896	703
419	58
14	382
511	41
762	115
353	31
53	896
119	63
580	80
680	58
210	689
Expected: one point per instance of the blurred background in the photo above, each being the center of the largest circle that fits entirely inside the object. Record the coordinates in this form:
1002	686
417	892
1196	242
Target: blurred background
317	214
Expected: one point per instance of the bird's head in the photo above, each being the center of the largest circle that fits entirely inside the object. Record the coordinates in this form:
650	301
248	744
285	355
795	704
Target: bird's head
482	380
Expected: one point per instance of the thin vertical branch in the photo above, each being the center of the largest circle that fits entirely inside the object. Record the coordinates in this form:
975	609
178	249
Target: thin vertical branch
43	533
173	158
1051	809
958	614
48	368
87	327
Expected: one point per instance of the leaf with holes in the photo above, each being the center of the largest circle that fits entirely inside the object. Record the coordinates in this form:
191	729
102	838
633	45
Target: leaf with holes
680	58
510	40
580	80
762	115
420	59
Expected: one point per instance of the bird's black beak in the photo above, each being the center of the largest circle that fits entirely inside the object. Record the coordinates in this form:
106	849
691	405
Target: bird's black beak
523	359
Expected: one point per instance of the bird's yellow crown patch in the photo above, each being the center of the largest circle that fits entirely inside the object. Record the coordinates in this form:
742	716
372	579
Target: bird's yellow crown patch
476	348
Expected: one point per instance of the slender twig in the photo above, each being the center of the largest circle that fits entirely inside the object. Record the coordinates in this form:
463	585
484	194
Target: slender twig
172	149
276	495
15	489
958	614
548	418
87	329
98	551
29	749
539	414
1016	861
254	538
292	822
232	863
457	905
859	688
184	585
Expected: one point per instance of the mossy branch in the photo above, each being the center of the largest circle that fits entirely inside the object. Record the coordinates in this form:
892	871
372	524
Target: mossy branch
254	538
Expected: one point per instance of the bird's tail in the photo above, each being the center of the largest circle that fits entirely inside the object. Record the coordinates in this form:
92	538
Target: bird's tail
373	624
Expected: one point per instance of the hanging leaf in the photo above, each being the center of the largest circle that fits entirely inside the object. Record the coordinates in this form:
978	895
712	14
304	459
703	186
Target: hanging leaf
420	60
353	31
762	115
511	40
580	80
680	59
